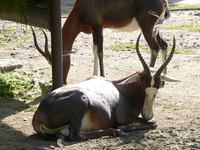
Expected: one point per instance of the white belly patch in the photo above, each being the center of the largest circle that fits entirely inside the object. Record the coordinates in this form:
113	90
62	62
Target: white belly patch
132	26
87	124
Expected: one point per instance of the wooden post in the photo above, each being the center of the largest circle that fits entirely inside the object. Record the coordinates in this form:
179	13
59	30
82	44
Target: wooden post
56	43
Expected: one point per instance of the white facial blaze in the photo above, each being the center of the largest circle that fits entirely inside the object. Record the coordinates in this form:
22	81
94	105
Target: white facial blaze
87	124
152	82
150	92
95	69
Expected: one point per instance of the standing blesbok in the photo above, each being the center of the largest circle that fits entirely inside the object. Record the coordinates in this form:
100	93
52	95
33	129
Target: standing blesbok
91	16
100	106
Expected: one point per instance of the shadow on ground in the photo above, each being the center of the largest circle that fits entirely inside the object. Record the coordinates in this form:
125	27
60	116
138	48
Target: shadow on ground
34	141
12	107
174	1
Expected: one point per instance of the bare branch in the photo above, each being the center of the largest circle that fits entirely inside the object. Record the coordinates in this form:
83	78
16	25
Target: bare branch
46	52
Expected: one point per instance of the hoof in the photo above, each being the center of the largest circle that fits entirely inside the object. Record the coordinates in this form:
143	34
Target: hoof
121	134
153	124
162	84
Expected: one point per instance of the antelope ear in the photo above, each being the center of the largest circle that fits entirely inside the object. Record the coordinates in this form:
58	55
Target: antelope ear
131	79
168	78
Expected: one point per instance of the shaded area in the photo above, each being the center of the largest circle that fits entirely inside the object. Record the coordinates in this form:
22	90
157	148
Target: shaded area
14	137
136	136
174	1
34	13
30	12
11	107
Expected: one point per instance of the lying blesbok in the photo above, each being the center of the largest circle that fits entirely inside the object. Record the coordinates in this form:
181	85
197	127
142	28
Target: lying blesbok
99	106
91	16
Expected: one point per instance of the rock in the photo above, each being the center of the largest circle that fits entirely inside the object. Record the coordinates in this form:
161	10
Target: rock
25	119
10	64
13	54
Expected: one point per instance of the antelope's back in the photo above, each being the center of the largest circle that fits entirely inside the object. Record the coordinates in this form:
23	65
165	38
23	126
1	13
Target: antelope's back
98	91
93	99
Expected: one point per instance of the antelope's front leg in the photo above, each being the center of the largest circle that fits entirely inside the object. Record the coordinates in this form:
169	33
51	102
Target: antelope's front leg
70	30
163	46
104	132
96	63
66	67
137	125
92	135
98	41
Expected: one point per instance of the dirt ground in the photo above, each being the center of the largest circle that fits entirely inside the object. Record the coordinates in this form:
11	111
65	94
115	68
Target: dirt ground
176	108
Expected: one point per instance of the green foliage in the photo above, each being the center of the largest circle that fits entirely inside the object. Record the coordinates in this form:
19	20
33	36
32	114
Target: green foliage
143	47
7	36
183	6
17	5
187	27
125	47
183	51
11	35
20	87
196	58
176	66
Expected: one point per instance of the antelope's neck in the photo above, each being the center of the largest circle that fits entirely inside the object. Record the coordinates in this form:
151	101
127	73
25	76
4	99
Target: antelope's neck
134	93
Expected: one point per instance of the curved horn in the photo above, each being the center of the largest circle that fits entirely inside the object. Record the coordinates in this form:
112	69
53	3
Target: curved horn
158	73
169	78
144	64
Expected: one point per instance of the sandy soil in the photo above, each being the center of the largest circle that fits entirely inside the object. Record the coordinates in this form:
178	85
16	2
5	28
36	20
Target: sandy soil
176	107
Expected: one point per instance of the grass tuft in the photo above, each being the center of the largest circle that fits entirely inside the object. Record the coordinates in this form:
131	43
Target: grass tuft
196	58
127	47
187	27
183	51
183	6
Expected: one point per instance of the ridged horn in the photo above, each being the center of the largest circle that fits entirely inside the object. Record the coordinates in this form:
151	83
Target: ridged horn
144	64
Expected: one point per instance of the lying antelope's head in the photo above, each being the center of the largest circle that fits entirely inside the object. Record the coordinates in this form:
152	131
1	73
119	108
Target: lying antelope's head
153	81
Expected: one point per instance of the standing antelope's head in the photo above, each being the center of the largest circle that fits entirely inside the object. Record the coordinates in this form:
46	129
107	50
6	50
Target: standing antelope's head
153	81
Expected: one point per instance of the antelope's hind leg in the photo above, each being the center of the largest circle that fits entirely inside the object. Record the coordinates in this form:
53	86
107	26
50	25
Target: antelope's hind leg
74	132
